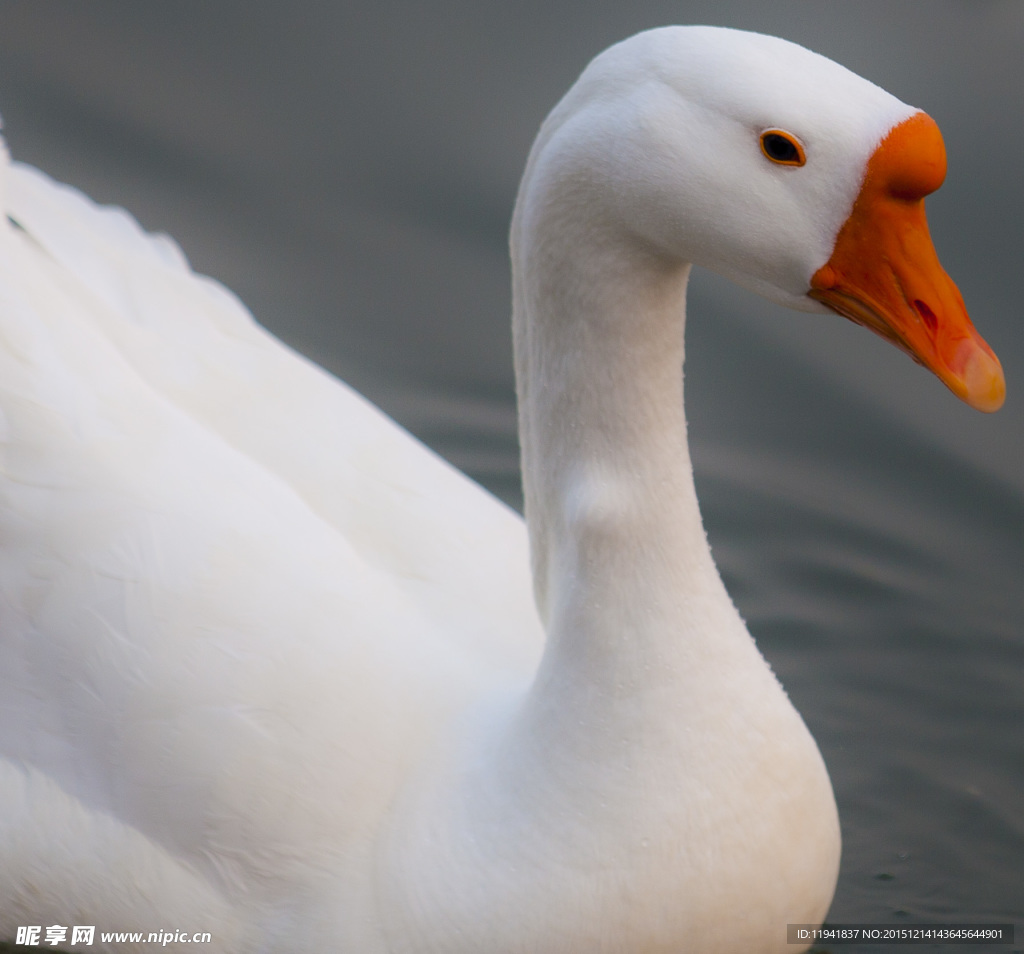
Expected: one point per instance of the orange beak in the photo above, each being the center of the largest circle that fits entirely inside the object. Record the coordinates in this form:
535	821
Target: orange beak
884	273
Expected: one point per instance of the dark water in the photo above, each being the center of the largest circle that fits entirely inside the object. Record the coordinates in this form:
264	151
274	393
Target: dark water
350	173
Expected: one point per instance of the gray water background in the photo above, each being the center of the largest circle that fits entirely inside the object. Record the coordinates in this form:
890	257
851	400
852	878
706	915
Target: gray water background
349	169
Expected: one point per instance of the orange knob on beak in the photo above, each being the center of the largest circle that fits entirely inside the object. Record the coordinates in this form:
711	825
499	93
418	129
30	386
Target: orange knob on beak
884	272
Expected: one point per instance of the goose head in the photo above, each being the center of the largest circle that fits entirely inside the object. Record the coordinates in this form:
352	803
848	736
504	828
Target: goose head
774	167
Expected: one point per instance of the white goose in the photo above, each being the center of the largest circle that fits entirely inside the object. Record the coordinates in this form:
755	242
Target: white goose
273	671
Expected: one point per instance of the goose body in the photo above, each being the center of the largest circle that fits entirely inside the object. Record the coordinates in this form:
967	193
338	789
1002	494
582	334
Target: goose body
272	670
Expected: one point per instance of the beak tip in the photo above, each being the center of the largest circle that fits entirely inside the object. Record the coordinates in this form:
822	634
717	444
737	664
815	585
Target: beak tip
983	381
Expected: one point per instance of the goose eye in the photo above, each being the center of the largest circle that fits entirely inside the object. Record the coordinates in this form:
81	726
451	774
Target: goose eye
782	147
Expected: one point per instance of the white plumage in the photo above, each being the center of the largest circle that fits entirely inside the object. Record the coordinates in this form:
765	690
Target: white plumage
269	667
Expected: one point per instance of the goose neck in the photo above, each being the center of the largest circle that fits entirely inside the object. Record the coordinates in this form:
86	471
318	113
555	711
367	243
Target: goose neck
616	538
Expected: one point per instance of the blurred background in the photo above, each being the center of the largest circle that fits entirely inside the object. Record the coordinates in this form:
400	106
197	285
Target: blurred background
349	169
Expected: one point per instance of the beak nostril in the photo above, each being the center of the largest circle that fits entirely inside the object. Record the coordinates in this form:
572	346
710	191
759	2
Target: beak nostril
927	315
